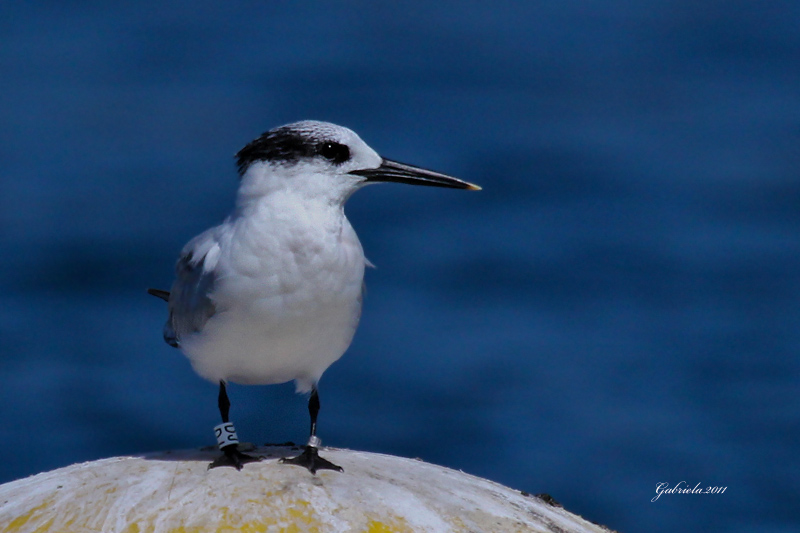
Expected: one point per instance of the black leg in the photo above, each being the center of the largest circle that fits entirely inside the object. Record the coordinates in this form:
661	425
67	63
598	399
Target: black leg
223	402
313	410
231	456
310	458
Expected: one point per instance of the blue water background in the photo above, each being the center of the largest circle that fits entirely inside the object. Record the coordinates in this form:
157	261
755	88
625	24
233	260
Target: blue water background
619	307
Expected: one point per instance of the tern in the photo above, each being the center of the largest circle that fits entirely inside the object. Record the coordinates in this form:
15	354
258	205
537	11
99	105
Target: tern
273	294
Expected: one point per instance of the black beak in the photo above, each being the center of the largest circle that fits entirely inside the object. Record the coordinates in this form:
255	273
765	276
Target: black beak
401	173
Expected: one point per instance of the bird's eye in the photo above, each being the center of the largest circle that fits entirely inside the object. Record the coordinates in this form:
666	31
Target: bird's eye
334	152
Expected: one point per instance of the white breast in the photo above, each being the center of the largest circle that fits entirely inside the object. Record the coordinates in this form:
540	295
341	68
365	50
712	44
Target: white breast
288	297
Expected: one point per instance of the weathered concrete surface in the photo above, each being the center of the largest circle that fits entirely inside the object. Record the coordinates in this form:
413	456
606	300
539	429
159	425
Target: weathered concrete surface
175	492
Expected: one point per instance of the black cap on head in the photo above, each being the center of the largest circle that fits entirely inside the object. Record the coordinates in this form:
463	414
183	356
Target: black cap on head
289	144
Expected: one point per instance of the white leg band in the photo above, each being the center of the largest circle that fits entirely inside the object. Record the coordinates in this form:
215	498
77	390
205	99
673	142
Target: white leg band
226	434
314	441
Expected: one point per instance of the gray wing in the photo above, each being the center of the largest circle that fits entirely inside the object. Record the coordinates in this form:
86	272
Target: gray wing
190	303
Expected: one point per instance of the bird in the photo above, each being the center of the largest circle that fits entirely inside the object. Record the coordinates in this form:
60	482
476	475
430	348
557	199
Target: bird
273	294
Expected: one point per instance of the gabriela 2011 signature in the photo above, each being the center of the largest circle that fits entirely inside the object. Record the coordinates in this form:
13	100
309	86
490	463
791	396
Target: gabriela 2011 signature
683	488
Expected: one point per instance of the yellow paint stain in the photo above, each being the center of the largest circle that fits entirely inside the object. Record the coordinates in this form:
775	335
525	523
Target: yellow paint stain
294	528
232	524
23	519
44	528
182	529
458	524
300	516
398	525
252	527
136	528
378	527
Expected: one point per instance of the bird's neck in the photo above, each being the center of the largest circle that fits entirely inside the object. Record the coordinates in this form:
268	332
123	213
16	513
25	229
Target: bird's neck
287	207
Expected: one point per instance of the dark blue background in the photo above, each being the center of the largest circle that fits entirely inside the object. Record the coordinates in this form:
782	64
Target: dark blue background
619	307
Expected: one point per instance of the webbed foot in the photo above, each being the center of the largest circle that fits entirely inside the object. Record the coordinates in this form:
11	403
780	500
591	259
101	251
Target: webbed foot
311	460
231	456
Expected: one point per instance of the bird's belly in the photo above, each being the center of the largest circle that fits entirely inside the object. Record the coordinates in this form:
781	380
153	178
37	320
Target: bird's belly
273	335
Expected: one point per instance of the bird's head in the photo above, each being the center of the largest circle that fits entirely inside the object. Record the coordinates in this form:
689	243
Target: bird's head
320	160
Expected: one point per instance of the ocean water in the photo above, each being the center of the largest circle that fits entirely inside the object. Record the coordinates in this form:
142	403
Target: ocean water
619	307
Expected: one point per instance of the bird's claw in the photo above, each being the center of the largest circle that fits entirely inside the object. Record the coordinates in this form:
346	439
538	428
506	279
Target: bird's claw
311	460
231	456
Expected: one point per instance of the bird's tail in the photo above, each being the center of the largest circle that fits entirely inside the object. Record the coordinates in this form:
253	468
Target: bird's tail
158	293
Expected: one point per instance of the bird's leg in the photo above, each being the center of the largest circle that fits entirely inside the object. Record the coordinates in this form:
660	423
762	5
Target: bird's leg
227	438
310	457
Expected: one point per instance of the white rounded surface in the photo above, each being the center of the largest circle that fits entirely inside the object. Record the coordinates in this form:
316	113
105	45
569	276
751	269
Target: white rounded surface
175	492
